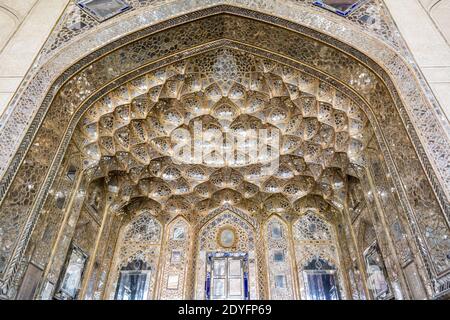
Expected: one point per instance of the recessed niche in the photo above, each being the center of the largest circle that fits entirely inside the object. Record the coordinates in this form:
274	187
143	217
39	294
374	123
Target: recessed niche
103	10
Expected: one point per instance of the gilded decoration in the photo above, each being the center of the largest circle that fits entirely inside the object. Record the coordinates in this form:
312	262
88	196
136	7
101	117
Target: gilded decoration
245	243
279	258
101	164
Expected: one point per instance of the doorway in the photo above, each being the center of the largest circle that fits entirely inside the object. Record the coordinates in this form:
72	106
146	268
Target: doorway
227	276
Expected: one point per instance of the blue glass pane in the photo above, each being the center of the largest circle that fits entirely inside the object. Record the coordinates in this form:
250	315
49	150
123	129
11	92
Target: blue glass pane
102	10
208	285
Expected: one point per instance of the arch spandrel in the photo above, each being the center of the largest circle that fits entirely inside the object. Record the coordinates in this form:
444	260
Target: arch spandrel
48	137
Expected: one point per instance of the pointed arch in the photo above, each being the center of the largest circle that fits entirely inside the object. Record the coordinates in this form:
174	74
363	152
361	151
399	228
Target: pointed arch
317	257
57	112
242	235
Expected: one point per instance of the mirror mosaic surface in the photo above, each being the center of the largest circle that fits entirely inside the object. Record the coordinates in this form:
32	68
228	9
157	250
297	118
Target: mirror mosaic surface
106	205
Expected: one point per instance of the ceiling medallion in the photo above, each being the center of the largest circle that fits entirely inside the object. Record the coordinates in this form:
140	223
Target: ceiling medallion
103	10
227	237
340	7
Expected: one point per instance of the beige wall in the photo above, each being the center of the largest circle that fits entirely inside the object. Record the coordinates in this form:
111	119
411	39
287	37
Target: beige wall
425	25
24	27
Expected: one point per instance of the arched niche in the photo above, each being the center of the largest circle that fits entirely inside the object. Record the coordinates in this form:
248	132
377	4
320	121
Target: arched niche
378	282
279	259
318	258
175	259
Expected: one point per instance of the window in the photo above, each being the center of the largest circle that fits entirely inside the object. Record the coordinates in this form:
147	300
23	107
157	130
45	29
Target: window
102	10
320	280
278	256
341	7
134	281
71	280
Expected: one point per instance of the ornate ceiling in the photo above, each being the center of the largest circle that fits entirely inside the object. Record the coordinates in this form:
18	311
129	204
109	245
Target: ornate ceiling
130	136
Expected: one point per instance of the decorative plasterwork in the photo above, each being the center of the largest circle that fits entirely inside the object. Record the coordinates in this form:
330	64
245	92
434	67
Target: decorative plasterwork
140	239
101	10
279	259
175	259
315	239
207	243
371	17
